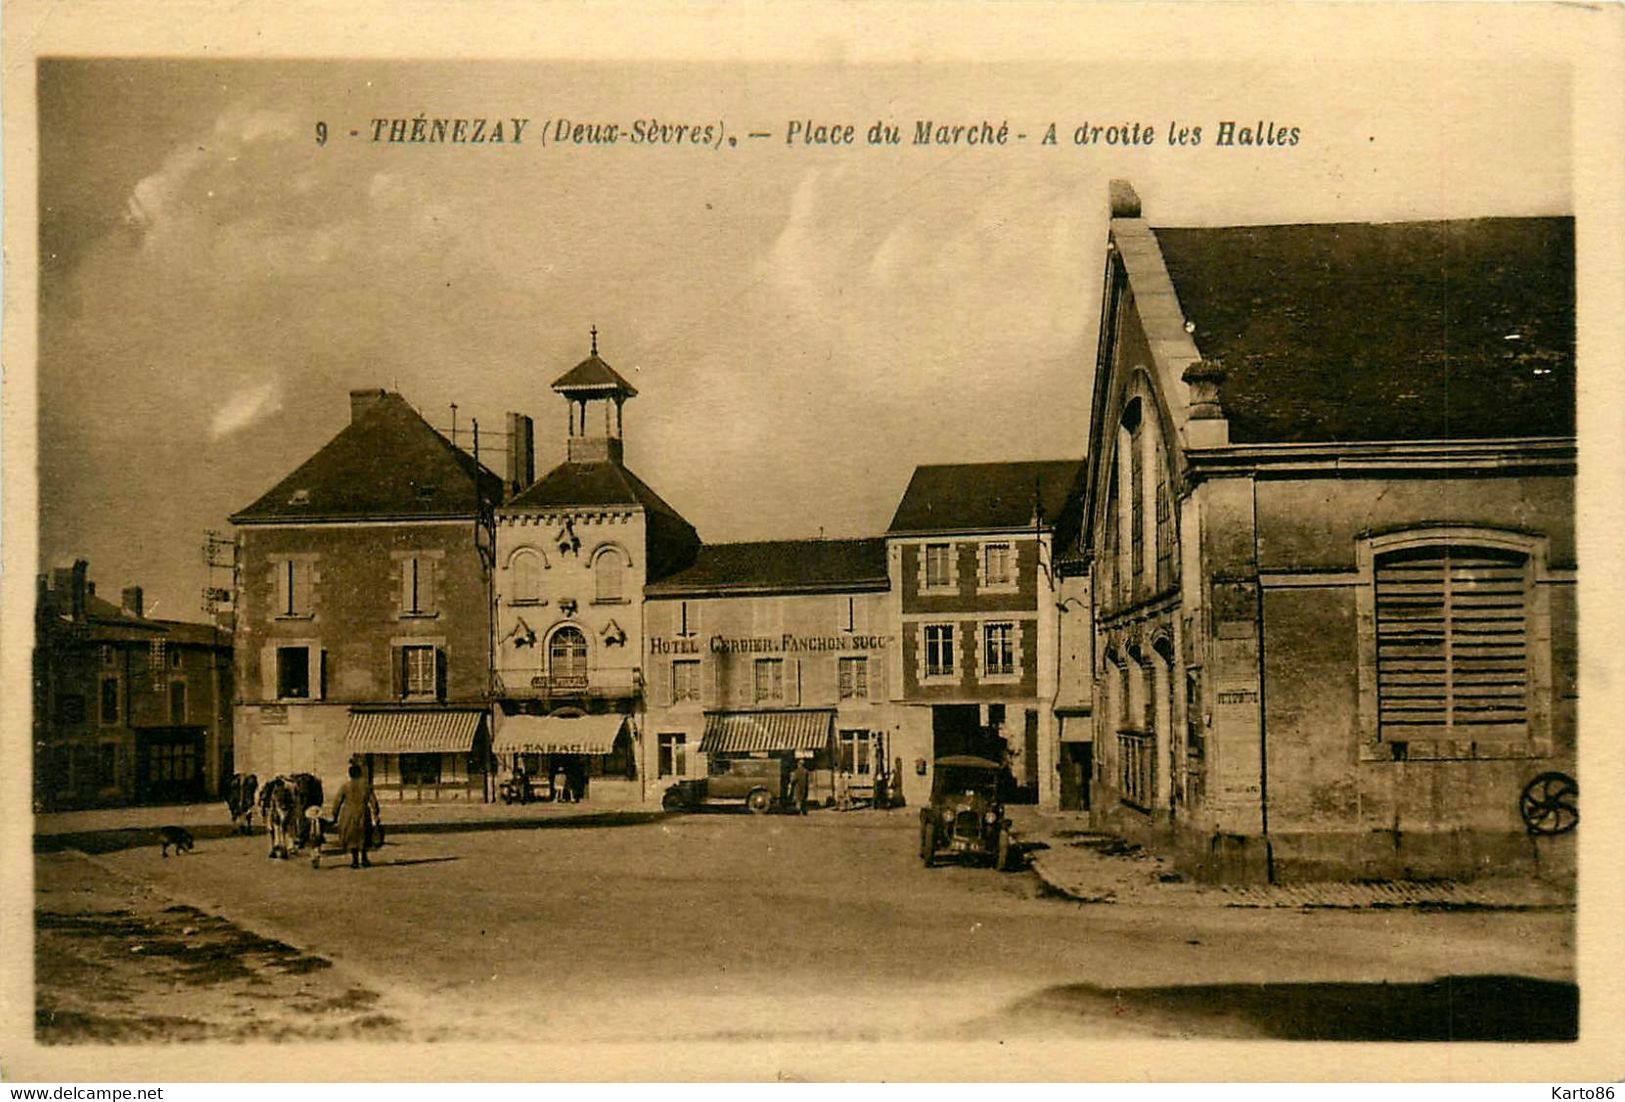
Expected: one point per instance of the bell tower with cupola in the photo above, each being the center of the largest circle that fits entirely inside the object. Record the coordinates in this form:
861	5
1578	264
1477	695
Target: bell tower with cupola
587	383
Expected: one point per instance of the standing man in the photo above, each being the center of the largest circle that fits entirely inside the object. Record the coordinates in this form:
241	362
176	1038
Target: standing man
356	809
798	787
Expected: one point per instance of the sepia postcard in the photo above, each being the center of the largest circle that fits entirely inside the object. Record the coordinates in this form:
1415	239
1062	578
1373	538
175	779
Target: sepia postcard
882	543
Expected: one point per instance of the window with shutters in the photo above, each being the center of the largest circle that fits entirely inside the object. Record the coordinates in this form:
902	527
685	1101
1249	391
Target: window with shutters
685	680
769	680
1452	644
112	702
293	588
998	565
1110	537
939	565
417	586
853	673
293	673
419	672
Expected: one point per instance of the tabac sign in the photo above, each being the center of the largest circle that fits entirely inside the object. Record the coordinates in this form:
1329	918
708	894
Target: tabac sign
767	644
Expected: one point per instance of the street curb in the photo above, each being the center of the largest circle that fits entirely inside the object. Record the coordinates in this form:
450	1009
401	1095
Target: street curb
1382	896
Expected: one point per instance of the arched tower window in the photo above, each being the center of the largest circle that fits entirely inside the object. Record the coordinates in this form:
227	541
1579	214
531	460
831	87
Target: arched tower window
525	569
609	575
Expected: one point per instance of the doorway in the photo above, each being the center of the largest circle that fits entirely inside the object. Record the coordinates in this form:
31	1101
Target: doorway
1077	763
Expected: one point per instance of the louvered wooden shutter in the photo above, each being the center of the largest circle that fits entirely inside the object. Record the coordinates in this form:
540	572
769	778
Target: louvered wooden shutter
711	683
268	683
877	676
440	673
1452	645
662	675
318	673
301	587
426	585
397	672
792	681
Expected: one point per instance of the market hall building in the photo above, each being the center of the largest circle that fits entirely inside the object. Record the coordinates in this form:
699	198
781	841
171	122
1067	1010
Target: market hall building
1330	531
778	649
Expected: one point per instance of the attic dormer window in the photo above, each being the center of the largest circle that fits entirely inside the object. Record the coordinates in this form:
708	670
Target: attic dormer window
299	497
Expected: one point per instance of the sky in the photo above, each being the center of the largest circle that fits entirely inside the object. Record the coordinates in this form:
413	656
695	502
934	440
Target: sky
804	324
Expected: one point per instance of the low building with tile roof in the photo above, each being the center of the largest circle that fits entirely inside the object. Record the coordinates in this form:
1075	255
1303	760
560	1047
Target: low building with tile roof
128	708
362	620
1328	526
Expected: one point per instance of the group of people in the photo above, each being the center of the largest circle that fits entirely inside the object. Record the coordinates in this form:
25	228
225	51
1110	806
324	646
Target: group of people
887	789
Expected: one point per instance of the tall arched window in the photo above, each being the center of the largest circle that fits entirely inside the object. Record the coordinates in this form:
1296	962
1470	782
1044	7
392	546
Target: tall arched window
525	570
609	575
567	655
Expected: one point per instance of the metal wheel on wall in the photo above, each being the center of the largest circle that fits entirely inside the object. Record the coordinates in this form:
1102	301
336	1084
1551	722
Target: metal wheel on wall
1549	804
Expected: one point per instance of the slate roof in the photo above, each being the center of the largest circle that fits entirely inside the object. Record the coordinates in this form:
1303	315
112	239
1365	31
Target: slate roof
780	566
1402	331
571	485
386	463
593	374
106	622
961	496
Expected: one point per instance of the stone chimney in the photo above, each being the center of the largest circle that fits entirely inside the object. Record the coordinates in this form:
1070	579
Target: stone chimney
521	468
80	568
130	600
1125	202
363	400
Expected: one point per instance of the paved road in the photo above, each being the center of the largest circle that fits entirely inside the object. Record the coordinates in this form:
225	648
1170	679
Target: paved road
828	928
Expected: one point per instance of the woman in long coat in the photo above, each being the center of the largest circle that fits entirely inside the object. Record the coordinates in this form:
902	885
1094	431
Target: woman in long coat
355	809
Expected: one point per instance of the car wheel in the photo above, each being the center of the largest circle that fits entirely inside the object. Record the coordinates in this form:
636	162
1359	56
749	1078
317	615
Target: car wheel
928	844
1002	859
759	801
672	800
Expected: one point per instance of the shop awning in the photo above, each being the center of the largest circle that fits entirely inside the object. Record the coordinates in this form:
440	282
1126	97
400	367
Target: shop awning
412	732
745	732
1077	728
557	735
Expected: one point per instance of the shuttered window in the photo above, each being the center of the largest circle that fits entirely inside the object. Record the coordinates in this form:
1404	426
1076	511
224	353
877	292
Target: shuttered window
1452	644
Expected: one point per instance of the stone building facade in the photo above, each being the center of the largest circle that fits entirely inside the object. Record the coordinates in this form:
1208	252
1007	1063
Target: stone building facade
1329	527
127	708
363	622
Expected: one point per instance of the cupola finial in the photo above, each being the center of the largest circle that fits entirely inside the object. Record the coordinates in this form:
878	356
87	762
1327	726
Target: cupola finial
595	340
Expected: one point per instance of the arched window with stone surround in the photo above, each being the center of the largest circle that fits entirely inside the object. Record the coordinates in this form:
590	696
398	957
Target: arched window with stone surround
567	656
609	575
525	568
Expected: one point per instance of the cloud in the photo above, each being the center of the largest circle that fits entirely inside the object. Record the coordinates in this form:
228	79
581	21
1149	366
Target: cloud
245	408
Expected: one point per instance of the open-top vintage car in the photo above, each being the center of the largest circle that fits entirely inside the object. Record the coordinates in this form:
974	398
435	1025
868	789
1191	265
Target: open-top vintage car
966	814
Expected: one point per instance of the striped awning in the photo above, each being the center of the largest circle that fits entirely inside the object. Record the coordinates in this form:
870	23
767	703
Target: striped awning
412	732
745	732
557	734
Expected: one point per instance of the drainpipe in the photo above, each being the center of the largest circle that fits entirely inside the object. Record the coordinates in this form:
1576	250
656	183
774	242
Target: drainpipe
1263	737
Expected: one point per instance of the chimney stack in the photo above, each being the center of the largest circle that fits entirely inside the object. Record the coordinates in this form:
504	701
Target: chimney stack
521	468
363	400
130	598
80	568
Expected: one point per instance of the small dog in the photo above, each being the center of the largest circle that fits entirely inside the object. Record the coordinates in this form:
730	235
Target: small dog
179	837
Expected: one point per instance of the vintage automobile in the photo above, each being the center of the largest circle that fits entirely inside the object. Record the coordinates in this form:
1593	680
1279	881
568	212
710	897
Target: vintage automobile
966	815
758	783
